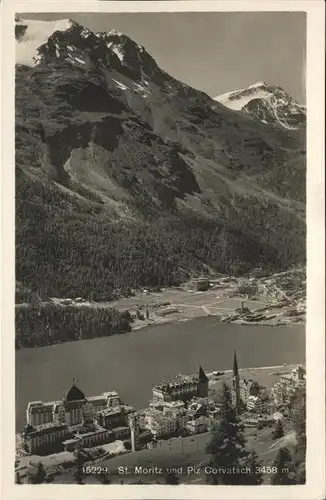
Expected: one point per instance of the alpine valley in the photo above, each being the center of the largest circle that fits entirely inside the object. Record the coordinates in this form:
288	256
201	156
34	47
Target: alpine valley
129	178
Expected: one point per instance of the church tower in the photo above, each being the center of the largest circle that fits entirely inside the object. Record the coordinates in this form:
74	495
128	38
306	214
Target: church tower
134	431
236	383
202	386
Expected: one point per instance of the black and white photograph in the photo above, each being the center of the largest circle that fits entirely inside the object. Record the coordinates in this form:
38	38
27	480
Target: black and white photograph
160	248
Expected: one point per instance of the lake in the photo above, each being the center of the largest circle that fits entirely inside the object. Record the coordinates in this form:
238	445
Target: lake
133	362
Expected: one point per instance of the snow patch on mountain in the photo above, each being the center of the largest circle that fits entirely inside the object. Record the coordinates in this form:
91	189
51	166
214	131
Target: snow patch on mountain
34	34
120	85
114	33
237	99
258	84
118	52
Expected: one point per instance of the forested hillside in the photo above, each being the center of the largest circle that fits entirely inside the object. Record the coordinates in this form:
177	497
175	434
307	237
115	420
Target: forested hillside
127	178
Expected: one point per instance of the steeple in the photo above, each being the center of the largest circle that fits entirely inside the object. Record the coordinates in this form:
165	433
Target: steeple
202	384
202	377
235	365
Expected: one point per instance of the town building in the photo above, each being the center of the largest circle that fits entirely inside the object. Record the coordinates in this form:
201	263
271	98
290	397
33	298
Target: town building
258	405
121	433
295	377
115	416
279	394
44	436
198	425
76	421
73	409
173	405
200	284
284	391
249	288
246	388
163	421
86	438
197	407
182	389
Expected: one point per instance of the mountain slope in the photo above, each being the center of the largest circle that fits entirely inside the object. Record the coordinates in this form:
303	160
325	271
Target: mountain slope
126	177
269	104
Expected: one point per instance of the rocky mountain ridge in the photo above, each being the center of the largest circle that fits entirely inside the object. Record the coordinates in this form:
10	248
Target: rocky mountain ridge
269	104
127	177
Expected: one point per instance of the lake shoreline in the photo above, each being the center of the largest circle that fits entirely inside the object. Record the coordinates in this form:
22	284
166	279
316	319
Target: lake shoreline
171	321
133	363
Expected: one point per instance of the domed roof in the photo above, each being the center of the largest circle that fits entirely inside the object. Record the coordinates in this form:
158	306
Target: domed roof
74	394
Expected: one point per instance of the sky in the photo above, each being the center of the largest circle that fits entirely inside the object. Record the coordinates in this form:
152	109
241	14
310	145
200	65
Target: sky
215	52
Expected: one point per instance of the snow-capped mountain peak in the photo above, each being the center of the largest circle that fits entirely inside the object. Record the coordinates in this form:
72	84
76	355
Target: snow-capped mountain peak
237	99
31	34
122	46
269	104
258	84
114	32
44	42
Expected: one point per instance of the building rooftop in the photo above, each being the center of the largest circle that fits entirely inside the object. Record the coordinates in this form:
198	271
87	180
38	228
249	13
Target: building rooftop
110	394
97	430
70	441
49	425
43	408
176	384
47	428
31	404
74	394
97	401
110	411
160	416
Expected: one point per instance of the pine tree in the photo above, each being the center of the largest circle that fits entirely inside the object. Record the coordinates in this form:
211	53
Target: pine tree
236	378
147	314
227	446
278	430
284	468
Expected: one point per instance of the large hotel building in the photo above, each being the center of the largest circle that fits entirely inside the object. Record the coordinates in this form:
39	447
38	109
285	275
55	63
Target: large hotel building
76	421
72	409
182	389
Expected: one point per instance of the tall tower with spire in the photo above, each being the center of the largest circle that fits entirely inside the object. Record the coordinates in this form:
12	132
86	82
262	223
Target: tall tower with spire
202	387
236	383
134	431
